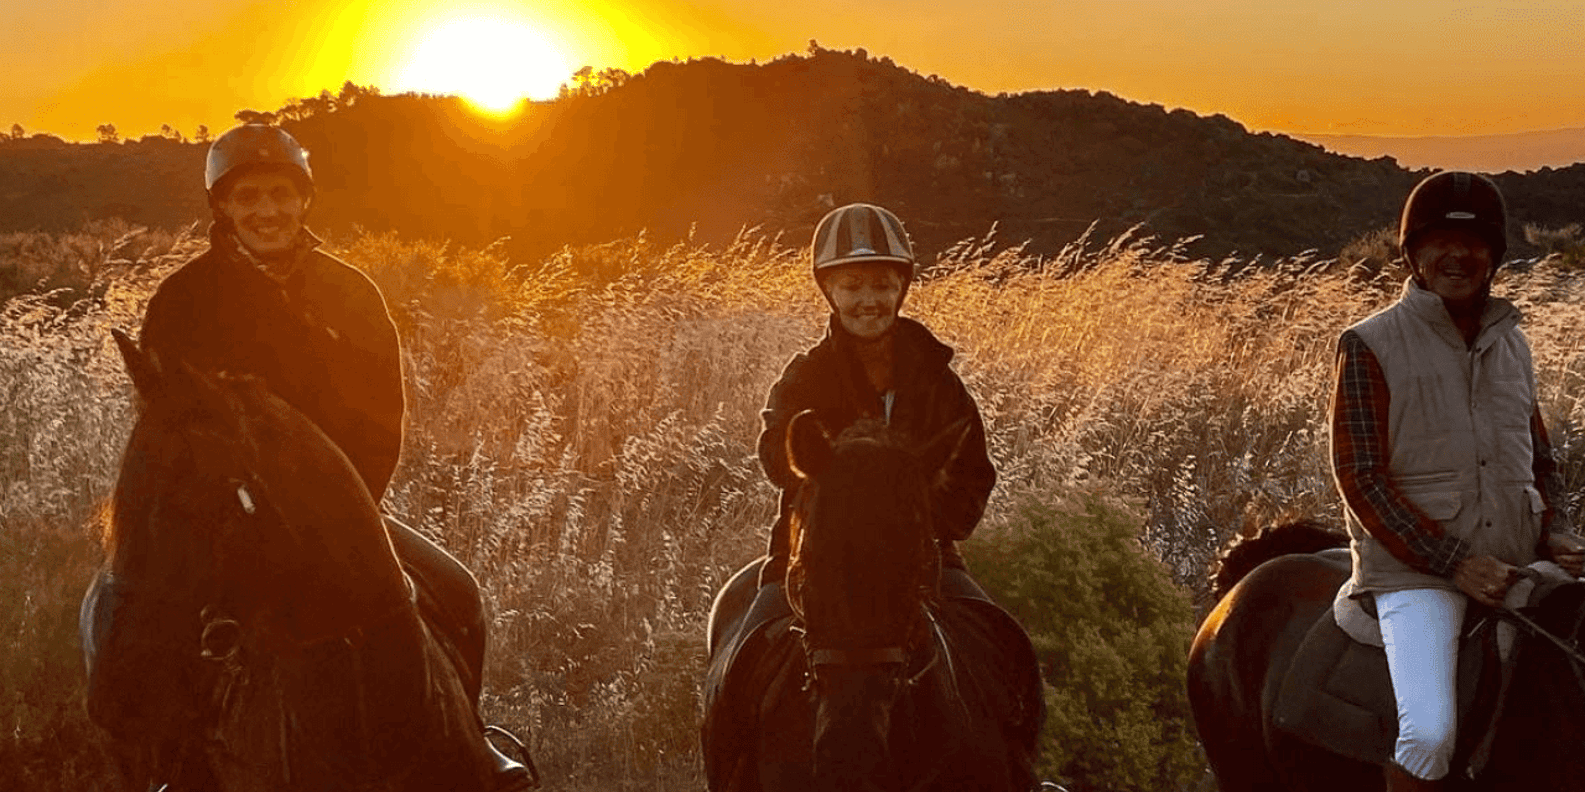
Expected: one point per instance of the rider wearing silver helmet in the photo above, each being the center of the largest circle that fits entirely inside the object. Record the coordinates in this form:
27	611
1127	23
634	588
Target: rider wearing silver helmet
1441	457
265	301
874	363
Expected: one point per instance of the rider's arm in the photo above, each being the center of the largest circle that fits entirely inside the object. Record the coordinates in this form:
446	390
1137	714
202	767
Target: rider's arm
960	502
1359	435
1548	477
1548	480
167	331
787	398
370	375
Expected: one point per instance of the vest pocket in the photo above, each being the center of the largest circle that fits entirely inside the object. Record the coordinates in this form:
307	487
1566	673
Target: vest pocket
1440	506
1421	482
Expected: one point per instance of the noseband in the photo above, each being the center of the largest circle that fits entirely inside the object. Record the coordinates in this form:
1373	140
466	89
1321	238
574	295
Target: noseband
898	657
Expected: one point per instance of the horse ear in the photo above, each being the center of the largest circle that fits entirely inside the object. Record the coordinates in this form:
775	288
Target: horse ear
938	455
809	447
142	367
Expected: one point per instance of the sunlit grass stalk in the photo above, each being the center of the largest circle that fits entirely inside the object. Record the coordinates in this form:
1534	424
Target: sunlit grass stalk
582	429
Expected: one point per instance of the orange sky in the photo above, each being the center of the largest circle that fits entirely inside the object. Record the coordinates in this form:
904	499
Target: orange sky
1391	67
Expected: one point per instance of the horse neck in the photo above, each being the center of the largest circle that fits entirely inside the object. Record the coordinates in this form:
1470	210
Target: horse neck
336	561
311	551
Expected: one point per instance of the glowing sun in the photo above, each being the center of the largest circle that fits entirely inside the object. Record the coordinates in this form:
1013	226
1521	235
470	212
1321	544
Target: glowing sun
490	61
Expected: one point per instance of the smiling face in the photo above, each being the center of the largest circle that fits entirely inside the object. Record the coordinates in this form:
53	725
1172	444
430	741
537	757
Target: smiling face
266	208
866	297
1454	263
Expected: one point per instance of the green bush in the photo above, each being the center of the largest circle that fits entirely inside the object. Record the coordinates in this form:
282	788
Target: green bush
1112	632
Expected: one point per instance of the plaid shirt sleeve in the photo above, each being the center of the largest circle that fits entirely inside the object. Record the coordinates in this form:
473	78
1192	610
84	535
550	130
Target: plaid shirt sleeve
1360	459
1548	480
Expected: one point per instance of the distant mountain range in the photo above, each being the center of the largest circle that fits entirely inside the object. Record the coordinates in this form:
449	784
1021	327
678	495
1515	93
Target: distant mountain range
1524	151
706	148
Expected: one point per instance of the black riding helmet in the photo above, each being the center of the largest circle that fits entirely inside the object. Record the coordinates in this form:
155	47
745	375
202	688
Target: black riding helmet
1456	199
252	147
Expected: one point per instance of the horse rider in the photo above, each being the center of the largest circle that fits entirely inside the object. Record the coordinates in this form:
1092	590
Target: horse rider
1442	459
265	301
874	363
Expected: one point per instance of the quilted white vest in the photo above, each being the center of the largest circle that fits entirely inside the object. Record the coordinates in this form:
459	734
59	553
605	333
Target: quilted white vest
1459	433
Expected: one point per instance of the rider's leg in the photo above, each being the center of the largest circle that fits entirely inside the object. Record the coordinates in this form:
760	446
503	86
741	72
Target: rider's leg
453	590
1420	630
956	582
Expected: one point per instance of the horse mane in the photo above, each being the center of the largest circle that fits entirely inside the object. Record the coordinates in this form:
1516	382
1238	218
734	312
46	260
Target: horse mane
1240	555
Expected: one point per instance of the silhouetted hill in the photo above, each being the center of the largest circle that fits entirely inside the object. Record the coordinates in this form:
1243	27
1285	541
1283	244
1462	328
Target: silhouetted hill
708	147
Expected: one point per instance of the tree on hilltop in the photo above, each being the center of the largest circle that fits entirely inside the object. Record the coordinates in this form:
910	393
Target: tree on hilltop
201	134
255	117
352	92
322	104
592	83
17	133
107	133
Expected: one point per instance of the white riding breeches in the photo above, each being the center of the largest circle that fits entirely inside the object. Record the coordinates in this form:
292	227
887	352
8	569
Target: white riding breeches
1419	628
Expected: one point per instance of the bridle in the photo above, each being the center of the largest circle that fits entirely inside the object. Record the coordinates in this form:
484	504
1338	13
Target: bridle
222	636
898	657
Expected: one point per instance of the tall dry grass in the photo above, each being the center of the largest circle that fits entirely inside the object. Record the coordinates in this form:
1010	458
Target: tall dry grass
581	434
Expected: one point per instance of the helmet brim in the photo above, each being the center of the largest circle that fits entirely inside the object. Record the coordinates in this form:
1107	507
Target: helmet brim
831	264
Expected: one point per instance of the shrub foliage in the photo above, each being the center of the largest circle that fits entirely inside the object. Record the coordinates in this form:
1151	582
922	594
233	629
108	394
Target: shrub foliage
1112	632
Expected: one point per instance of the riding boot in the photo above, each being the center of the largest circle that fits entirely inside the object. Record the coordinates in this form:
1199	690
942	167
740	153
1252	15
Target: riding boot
1401	780
509	775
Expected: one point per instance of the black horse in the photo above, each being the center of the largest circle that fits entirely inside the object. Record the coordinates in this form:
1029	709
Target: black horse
869	676
251	628
1248	643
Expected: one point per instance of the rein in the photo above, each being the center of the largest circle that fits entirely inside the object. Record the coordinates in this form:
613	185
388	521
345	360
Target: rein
1529	625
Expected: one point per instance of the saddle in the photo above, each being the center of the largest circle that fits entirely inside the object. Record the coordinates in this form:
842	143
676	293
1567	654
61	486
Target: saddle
1337	695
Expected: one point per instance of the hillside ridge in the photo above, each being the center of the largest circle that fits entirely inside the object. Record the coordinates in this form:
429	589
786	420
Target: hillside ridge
705	148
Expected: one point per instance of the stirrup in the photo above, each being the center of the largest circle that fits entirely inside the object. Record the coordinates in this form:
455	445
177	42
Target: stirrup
522	752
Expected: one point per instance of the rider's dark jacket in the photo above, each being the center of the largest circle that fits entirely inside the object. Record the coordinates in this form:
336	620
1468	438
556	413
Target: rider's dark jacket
927	398
319	336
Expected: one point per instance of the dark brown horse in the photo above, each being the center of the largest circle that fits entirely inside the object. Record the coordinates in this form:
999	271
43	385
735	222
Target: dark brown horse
251	628
1248	643
868	678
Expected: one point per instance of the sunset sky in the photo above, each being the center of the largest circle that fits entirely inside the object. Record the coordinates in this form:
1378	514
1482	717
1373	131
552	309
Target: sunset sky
1389	67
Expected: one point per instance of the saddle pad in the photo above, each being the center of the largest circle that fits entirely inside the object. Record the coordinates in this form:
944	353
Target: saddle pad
1344	718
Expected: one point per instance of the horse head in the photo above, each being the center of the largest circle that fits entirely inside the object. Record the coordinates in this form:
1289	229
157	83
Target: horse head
229	497
864	564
